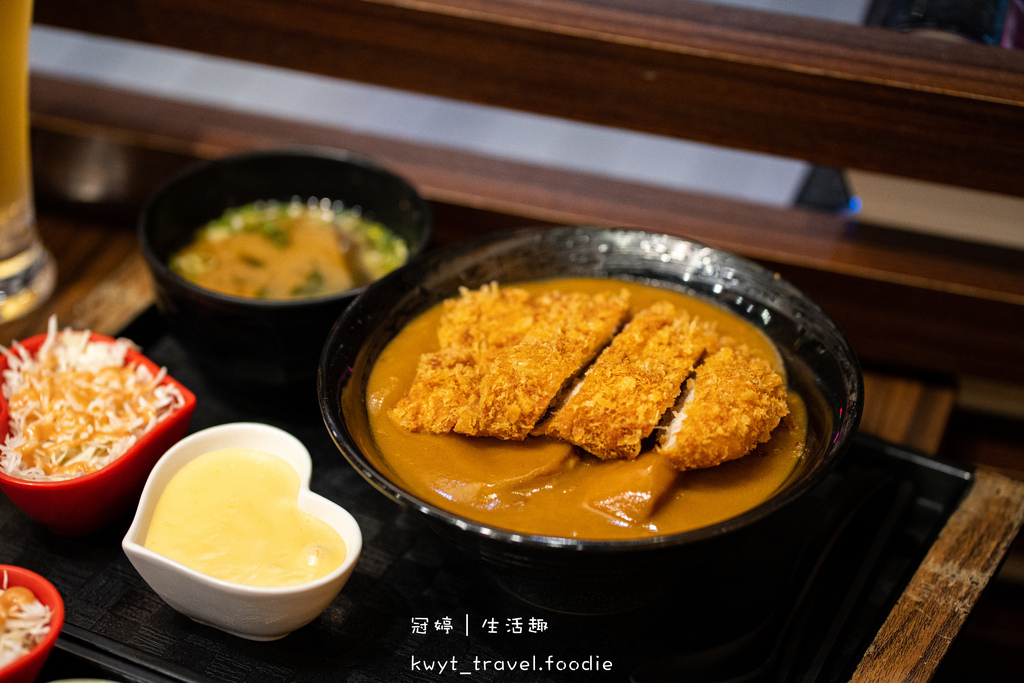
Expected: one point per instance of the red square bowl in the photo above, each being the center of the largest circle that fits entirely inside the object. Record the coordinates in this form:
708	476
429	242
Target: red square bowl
26	668
80	506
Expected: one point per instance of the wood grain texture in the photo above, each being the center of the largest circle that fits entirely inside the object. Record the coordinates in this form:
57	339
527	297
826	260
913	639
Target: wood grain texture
907	411
904	300
791	236
101	282
943	590
116	300
836	95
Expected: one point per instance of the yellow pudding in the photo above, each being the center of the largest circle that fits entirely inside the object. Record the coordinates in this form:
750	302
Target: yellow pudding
233	514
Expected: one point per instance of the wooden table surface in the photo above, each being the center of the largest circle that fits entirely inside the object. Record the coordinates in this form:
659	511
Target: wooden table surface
103	285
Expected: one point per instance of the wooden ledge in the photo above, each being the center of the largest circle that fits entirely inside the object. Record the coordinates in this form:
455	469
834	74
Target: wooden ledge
831	94
934	306
944	589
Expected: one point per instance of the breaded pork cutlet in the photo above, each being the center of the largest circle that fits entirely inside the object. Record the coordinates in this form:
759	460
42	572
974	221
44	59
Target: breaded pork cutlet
635	380
733	403
445	382
484	321
485	335
474	327
515	392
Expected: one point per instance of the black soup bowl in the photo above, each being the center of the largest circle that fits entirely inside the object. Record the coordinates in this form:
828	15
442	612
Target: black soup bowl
590	576
260	344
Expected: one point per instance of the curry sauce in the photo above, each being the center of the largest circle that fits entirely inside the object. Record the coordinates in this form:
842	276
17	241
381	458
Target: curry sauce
544	486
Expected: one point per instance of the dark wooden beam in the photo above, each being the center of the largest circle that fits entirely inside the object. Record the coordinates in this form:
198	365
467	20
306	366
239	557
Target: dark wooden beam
925	303
830	94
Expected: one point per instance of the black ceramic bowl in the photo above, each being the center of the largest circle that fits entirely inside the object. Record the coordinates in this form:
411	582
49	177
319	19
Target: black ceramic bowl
255	343
599	576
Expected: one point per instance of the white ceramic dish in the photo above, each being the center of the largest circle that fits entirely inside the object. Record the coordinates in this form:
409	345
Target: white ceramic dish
255	613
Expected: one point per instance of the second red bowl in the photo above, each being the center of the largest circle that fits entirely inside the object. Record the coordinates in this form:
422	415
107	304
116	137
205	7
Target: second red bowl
26	668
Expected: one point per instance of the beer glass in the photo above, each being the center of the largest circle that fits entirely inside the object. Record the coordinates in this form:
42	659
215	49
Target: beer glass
27	271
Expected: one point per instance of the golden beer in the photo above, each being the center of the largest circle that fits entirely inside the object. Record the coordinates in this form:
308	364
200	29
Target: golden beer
26	269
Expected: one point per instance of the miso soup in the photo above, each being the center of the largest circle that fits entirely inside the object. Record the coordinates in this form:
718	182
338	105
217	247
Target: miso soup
294	250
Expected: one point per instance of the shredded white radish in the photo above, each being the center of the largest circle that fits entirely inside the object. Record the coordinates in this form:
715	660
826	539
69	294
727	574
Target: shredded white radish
75	407
22	624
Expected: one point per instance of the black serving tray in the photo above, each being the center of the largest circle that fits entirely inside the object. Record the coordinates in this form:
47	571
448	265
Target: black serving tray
414	610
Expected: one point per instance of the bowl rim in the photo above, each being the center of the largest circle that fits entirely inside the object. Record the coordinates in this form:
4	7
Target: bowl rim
162	270
183	451
32	344
47	594
331	411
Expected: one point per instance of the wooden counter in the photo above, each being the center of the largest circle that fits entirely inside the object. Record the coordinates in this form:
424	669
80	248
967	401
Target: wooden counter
103	286
893	293
831	94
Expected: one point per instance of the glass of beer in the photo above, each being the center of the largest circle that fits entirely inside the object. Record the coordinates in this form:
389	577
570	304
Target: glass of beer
27	271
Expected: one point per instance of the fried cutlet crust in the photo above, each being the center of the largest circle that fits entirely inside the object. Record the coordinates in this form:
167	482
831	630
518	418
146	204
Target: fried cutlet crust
569	331
736	401
474	327
631	385
484	321
500	353
446	380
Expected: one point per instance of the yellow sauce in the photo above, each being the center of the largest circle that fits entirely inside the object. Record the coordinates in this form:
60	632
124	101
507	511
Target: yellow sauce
543	486
233	514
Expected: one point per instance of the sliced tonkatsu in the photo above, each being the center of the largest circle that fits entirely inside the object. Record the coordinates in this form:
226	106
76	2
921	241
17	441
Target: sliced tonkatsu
525	378
732	404
636	379
503	357
484	321
446	381
474	327
561	364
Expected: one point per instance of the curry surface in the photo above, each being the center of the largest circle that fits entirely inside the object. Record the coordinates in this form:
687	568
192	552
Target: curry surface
546	487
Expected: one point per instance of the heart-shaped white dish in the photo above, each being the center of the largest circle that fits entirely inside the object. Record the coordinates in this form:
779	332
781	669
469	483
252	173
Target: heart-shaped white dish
255	613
